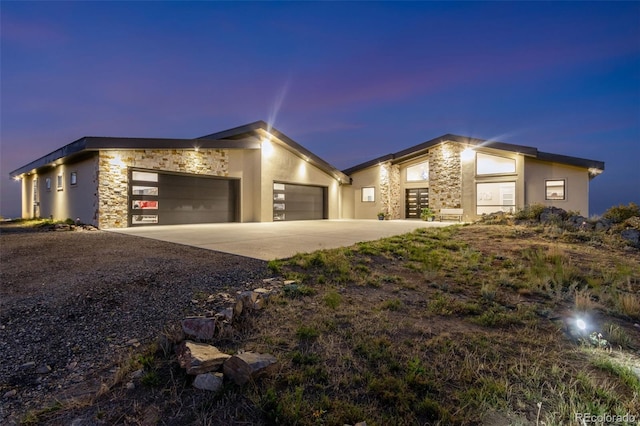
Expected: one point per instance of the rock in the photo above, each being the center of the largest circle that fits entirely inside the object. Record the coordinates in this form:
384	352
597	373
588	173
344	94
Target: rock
603	225
242	367
631	235
133	342
43	369
199	327
137	374
209	381
27	365
552	215
130	386
227	314
10	394
199	358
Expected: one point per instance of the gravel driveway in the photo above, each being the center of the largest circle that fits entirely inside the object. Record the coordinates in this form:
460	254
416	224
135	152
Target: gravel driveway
72	303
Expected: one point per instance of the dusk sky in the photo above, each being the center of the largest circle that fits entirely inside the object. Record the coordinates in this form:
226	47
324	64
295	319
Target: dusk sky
349	81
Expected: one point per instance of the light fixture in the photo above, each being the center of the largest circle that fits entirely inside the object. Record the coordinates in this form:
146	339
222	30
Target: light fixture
581	324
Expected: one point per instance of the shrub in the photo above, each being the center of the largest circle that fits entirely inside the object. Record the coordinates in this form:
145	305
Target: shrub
530	212
620	213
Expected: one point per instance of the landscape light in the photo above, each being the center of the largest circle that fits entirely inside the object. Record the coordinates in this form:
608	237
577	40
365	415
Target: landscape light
581	324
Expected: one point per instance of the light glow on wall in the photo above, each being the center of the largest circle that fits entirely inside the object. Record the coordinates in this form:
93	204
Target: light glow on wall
116	161
467	154
267	147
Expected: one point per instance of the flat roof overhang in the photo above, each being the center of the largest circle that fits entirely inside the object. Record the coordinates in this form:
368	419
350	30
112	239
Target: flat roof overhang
88	144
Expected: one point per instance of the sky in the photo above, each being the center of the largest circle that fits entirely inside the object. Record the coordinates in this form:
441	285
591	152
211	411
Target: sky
350	81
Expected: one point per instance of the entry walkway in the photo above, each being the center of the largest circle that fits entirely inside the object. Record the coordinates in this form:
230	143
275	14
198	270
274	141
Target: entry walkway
278	240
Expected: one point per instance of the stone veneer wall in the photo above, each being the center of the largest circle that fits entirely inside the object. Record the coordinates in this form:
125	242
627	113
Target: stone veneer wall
445	176
390	192
113	177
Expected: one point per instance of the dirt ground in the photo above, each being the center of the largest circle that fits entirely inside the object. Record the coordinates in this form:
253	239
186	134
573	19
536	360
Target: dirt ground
74	303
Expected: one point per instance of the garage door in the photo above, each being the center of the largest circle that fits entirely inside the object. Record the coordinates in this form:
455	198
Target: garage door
158	198
299	202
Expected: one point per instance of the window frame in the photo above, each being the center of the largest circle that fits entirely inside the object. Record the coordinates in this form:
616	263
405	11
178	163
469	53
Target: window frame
60	182
479	157
73	178
547	197
362	192
406	172
47	183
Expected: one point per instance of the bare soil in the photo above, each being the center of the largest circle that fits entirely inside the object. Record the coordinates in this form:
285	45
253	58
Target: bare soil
74	304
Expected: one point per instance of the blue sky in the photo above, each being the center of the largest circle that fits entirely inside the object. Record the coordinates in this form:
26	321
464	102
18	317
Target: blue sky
348	80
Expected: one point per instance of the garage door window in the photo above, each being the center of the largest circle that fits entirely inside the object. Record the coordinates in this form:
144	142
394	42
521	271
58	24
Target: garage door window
144	176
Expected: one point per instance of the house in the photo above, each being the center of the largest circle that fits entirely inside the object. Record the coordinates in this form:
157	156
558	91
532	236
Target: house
475	175
255	173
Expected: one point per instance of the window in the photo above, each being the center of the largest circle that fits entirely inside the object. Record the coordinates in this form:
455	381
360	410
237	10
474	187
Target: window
73	178
47	183
59	185
368	194
145	176
145	204
492	165
495	197
144	190
554	189
418	173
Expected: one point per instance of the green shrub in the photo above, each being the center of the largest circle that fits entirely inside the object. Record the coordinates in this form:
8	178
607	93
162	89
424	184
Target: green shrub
530	212
620	213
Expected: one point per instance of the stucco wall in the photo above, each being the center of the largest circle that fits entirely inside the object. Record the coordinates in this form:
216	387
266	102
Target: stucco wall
576	189
246	166
365	178
70	201
113	173
280	164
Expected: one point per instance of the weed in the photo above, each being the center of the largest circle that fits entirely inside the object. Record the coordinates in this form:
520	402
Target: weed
488	291
392	305
298	290
583	301
629	304
307	332
332	299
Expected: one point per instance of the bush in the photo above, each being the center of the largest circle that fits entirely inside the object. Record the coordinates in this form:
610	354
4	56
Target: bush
620	213
530	212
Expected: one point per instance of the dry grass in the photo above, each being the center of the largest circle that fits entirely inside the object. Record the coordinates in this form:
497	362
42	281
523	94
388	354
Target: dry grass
455	326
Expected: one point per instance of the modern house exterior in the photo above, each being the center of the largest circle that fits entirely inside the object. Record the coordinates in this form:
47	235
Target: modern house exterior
255	173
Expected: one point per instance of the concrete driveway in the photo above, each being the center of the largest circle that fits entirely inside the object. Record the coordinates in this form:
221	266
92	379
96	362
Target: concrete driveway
277	240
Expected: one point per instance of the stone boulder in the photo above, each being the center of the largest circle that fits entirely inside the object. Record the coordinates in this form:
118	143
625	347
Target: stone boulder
201	328
245	366
632	236
209	381
199	358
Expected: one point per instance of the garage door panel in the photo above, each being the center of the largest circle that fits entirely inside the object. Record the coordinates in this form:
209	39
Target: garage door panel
299	202
184	199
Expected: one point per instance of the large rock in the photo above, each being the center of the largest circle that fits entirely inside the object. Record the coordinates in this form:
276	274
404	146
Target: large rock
209	381
199	358
242	367
631	235
201	328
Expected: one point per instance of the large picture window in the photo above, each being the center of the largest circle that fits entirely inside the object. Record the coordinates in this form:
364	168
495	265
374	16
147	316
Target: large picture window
418	172
494	197
555	189
368	195
493	165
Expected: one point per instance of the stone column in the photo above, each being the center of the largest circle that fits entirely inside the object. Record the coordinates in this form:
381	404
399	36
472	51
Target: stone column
445	176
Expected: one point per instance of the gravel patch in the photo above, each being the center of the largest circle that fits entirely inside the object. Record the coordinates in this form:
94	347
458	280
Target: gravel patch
73	303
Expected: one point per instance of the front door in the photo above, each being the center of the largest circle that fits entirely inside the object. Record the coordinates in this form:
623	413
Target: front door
416	199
